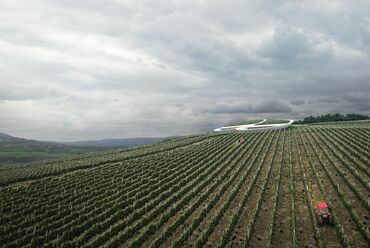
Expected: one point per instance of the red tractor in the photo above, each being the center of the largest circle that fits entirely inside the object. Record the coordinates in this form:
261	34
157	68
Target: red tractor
323	214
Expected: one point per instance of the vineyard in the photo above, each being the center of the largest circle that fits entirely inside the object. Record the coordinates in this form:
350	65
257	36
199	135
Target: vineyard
206	190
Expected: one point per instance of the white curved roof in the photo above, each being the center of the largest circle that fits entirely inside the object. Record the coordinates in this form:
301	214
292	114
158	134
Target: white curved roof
255	126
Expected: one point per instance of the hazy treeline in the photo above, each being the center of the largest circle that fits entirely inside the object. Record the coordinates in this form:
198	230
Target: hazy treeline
332	117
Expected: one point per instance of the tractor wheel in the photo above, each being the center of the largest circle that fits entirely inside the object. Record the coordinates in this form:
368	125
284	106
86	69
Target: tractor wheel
330	221
320	221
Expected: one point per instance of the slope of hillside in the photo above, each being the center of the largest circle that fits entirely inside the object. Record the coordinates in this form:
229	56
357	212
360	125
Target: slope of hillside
19	150
114	143
204	190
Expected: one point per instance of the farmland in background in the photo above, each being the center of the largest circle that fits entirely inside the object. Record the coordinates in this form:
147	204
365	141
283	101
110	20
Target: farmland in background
245	122
15	150
273	121
200	191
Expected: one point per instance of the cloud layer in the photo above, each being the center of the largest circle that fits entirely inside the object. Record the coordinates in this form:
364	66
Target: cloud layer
72	70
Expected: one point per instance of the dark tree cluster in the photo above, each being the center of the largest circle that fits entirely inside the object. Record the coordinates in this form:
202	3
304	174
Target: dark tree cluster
331	118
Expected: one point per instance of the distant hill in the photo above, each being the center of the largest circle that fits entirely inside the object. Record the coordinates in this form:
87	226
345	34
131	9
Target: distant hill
20	150
6	137
114	143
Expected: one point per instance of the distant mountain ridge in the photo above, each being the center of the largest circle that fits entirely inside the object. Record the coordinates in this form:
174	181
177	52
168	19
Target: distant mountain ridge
117	142
6	137
19	150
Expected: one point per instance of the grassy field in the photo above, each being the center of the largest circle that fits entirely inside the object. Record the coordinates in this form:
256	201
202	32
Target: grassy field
273	121
199	191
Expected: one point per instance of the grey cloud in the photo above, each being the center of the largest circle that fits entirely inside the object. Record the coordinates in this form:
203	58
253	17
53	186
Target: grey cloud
272	106
288	45
12	92
124	68
229	108
362	106
269	107
297	102
326	100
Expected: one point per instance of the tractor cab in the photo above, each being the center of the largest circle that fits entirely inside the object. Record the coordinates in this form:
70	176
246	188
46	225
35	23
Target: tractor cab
323	214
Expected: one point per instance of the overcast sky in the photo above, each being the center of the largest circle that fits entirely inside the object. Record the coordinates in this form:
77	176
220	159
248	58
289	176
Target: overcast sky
88	69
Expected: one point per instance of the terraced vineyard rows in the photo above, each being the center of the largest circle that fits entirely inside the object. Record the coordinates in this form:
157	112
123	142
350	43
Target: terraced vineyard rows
201	191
